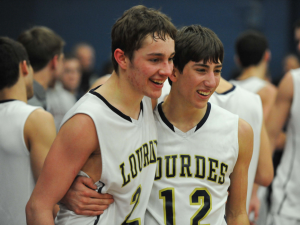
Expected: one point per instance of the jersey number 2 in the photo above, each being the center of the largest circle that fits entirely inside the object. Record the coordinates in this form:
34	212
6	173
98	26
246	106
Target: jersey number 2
134	200
200	196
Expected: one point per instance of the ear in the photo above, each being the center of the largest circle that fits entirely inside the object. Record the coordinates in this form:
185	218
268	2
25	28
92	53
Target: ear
24	68
54	62
237	60
121	59
174	76
267	56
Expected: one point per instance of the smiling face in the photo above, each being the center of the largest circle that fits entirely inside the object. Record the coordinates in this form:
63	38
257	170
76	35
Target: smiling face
151	65
197	82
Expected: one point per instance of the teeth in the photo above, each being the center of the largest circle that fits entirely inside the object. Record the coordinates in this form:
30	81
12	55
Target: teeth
157	81
203	93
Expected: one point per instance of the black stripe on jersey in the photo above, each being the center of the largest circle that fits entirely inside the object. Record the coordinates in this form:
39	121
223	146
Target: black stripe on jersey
163	117
225	219
200	124
289	173
226	92
99	191
112	107
7	100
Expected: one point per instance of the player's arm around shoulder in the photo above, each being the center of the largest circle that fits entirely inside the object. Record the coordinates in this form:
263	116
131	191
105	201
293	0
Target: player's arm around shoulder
236	213
74	144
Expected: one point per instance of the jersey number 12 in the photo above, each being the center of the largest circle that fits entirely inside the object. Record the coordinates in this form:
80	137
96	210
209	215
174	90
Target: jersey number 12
200	196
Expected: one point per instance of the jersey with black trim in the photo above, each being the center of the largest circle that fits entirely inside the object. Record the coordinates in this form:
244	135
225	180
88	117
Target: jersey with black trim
286	191
128	151
252	84
247	106
193	169
17	180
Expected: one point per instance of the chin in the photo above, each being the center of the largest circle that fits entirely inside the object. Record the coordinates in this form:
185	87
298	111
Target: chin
153	94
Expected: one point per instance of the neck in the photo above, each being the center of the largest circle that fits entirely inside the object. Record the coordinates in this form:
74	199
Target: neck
120	93
180	113
17	92
254	71
43	77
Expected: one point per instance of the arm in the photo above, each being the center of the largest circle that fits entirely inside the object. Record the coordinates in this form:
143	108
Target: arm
281	108
268	96
39	134
68	154
38	140
236	204
265	171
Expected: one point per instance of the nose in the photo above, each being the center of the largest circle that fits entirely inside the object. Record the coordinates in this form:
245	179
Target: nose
210	80
166	69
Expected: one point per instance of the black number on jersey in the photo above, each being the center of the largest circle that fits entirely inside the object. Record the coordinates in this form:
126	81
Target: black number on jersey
134	200
200	196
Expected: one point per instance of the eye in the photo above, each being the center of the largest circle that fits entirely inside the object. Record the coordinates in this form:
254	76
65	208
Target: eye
171	59
201	70
154	60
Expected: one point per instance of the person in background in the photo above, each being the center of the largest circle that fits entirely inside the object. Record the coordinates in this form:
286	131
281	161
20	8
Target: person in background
45	51
62	97
86	55
26	133
285	198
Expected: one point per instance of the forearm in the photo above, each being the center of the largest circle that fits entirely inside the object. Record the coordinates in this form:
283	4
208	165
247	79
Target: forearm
35	216
237	219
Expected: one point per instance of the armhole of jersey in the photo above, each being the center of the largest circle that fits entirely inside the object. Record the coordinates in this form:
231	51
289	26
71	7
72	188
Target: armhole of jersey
96	127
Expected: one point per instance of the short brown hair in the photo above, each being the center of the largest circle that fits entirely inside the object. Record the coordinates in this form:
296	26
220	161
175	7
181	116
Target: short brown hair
129	32
42	44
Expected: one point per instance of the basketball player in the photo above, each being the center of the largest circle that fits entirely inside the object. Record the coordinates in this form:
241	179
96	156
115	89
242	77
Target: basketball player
285	200
26	133
249	107
45	51
202	149
110	134
253	55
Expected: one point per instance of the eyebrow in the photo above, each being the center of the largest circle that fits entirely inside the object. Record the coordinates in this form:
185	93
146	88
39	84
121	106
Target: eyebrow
159	54
205	65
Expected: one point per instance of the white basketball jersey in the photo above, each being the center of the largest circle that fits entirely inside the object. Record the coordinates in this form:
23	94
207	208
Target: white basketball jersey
286	184
193	169
17	181
128	152
248	107
252	84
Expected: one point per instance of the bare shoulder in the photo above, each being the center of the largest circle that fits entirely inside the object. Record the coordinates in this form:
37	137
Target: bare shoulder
269	90
245	128
39	126
80	129
40	116
286	87
245	138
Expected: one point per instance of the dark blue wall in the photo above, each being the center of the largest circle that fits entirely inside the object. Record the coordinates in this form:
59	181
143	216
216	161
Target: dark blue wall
91	21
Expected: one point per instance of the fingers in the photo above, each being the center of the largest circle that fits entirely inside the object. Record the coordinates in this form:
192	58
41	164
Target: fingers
106	196
86	181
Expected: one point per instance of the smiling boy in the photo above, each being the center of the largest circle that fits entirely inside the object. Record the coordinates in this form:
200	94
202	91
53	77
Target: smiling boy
110	134
203	150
